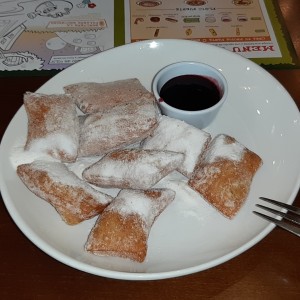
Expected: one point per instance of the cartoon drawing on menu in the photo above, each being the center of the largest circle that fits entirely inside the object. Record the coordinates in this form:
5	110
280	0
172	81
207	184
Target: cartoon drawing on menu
63	31
14	14
20	61
85	42
13	17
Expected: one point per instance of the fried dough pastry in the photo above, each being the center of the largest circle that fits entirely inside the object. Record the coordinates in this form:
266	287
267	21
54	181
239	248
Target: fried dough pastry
74	199
117	127
53	126
132	168
124	226
224	175
178	136
92	97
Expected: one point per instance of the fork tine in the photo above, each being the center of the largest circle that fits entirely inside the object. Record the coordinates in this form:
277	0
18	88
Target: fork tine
289	227
292	218
291	208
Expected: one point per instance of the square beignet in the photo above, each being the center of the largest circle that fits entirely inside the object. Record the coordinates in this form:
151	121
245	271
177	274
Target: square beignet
224	175
132	168
178	136
92	97
124	226
74	199
53	126
117	127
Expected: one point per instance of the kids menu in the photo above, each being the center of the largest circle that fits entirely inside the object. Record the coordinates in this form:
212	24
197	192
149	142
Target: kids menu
40	35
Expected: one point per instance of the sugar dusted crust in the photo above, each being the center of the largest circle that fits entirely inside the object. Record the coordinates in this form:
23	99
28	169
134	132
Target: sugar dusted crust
124	226
117	127
93	97
53	126
175	135
132	168
224	175
73	198
119	236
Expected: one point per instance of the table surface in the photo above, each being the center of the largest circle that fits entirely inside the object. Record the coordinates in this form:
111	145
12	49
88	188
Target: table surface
269	270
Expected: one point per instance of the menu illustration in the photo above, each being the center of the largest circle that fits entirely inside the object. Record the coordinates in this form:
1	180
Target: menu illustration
46	35
240	26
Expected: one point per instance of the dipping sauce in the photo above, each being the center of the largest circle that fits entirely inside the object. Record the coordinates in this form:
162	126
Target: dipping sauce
190	92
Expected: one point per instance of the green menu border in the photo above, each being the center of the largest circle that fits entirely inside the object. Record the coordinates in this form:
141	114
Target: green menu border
119	23
289	59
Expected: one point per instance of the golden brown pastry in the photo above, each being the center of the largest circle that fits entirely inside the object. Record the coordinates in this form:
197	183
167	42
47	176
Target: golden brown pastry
224	175
93	97
117	127
124	226
74	199
175	135
53	126
132	168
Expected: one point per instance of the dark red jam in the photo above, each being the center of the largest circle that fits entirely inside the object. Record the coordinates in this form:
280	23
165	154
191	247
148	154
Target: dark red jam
190	92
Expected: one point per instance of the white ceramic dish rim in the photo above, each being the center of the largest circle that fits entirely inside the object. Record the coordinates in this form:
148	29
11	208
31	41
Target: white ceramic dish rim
127	275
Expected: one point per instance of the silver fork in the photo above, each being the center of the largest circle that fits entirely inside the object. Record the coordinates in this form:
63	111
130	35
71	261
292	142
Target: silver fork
292	215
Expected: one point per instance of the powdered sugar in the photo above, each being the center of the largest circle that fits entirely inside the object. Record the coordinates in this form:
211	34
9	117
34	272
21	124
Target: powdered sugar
224	175
93	97
59	173
20	156
146	205
132	168
57	145
73	198
223	147
207	173
175	135
118	127
53	125
188	203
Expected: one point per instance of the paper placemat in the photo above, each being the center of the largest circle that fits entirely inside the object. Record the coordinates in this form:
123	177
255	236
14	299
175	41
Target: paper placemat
45	37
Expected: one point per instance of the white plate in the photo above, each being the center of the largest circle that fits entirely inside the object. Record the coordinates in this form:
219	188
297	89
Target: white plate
189	236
